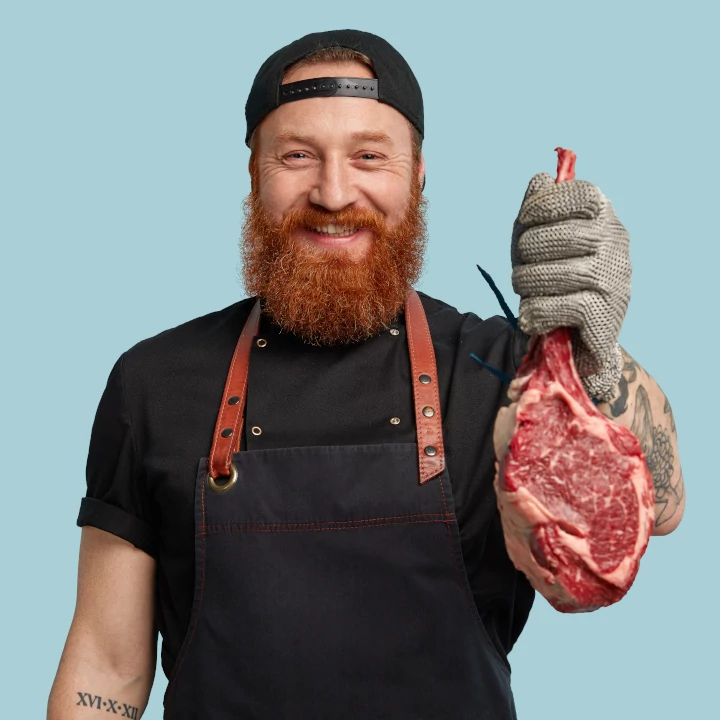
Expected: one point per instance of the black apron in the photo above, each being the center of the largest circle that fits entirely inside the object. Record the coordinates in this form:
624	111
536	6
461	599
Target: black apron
329	581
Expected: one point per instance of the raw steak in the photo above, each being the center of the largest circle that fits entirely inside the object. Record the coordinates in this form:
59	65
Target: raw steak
574	492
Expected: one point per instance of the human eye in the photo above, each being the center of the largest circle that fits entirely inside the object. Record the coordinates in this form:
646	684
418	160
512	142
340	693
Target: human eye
297	158
369	156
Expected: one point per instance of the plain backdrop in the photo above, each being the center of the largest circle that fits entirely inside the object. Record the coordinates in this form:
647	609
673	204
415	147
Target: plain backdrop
123	171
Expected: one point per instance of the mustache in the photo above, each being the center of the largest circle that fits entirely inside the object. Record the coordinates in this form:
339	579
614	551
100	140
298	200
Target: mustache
325	297
348	217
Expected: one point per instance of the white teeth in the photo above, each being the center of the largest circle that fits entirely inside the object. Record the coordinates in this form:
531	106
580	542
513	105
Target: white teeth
335	230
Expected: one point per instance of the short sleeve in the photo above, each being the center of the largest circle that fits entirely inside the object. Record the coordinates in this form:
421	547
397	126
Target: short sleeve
117	499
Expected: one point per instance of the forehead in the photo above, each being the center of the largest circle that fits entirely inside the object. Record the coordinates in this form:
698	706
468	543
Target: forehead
335	119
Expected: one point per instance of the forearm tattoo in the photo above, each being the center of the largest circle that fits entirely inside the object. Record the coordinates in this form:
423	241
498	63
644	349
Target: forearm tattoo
667	410
629	376
655	440
115	707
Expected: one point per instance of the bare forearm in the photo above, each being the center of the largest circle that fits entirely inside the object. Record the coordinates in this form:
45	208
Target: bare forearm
86	683
640	405
108	662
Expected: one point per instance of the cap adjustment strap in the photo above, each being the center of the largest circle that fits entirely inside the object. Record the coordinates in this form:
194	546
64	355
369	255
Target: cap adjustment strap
328	87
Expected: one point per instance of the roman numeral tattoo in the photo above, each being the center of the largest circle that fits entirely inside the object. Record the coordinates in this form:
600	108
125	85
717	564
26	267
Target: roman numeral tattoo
111	706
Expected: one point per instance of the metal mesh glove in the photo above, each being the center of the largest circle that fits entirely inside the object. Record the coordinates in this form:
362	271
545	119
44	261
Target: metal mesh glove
571	268
602	384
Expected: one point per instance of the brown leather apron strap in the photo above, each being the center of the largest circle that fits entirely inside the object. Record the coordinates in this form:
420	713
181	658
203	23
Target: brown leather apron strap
228	429
428	420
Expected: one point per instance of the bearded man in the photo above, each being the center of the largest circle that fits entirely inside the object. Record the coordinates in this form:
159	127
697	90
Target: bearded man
296	491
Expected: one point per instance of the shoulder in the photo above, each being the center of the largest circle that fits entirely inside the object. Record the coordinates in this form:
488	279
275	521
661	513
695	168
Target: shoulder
448	326
202	342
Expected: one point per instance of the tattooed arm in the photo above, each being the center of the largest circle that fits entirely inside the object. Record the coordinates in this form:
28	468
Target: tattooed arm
640	404
108	663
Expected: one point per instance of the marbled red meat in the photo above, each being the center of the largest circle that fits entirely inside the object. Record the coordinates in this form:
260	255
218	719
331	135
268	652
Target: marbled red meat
574	492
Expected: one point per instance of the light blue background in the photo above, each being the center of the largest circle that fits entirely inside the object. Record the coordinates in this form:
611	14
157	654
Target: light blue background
123	170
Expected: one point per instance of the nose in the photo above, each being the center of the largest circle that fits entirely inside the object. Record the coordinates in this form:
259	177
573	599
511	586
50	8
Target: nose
334	188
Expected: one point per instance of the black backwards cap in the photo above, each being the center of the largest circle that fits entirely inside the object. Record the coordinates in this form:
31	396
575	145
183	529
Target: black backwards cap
394	82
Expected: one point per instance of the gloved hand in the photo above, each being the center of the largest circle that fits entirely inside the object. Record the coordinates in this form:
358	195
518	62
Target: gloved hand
571	268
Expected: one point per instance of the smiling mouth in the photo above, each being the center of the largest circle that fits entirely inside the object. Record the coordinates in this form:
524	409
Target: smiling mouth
337	231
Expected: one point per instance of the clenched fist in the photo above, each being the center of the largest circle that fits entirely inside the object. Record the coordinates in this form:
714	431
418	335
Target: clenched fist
571	268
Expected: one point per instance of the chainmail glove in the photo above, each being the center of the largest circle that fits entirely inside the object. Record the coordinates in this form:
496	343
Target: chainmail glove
571	268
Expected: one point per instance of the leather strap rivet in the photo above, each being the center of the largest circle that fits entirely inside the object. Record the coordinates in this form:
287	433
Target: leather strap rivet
395	421
255	430
261	342
394	331
430	450
230	480
425	379
229	423
428	411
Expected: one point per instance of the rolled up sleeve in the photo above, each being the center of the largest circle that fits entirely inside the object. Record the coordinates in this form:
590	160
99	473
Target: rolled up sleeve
117	498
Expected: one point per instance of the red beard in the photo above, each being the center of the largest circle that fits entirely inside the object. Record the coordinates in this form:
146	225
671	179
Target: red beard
323	296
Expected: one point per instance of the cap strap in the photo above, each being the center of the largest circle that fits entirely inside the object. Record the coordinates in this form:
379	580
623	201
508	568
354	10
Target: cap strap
328	87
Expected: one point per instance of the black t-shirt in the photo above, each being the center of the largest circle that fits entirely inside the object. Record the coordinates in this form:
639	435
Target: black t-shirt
157	415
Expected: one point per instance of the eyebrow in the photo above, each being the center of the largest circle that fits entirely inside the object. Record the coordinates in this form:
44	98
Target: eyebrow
370	136
288	136
363	135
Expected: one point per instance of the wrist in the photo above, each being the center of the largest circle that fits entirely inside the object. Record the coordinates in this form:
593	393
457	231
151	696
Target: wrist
603	385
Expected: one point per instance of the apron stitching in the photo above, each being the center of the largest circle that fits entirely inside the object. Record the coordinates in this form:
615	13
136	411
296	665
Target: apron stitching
459	577
334	522
300	527
229	453
199	605
442	492
471	609
224	399
420	430
436	384
469	601
217	435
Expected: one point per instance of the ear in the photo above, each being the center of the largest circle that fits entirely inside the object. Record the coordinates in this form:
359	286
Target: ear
421	171
252	170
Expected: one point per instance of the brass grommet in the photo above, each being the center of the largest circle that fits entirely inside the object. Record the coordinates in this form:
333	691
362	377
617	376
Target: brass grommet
255	430
231	480
395	421
428	411
425	379
430	450
261	342
394	331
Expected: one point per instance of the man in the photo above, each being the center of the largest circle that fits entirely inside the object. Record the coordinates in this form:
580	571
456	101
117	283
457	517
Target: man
297	490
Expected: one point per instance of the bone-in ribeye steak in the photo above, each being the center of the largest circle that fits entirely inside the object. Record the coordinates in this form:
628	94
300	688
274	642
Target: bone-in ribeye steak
574	492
